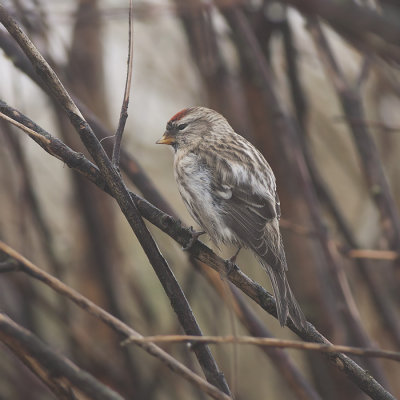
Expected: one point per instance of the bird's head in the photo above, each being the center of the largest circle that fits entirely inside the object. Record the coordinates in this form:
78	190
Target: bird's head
188	127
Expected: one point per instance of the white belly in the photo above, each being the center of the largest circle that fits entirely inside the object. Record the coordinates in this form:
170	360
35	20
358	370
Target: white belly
194	184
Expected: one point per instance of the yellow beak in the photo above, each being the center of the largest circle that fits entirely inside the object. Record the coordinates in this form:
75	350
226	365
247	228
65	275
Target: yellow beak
166	139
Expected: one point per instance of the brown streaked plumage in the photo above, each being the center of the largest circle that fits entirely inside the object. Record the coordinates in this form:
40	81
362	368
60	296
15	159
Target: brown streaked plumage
230	191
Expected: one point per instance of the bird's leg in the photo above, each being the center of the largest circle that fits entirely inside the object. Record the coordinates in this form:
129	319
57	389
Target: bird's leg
195	236
231	263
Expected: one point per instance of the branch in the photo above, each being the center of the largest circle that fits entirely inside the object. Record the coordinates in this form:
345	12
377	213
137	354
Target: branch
118	326
373	254
125	103
201	252
60	374
268	342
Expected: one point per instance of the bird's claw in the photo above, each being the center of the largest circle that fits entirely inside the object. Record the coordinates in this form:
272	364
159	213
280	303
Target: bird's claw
231	263
194	236
231	266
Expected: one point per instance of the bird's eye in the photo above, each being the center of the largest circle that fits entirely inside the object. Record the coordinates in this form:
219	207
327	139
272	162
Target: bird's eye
181	127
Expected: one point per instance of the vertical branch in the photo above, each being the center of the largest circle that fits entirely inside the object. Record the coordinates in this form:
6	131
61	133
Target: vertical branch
124	109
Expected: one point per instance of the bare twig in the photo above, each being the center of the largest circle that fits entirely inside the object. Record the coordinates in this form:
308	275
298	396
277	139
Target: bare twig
118	326
63	378
270	342
373	254
26	129
125	103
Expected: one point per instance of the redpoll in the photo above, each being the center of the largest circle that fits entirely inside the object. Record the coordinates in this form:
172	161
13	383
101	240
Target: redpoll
230	191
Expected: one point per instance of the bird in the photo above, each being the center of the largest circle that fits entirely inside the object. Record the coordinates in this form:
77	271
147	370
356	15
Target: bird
230	191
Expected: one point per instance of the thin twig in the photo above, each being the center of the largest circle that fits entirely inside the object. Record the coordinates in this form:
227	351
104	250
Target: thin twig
124	109
118	326
270	342
373	254
29	131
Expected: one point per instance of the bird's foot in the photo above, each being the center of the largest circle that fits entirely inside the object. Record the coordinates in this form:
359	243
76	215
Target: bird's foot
195	235
231	263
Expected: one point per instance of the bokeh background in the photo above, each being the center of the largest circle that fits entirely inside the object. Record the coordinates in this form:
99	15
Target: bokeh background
336	83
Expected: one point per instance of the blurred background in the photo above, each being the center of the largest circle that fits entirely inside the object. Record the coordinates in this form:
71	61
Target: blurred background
316	89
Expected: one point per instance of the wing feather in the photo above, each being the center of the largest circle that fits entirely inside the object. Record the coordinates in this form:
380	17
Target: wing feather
244	212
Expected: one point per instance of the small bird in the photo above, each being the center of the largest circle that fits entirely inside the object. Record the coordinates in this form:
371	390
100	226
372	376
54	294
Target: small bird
230	191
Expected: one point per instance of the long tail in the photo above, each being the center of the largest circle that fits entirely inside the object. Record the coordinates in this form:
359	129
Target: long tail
274	262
